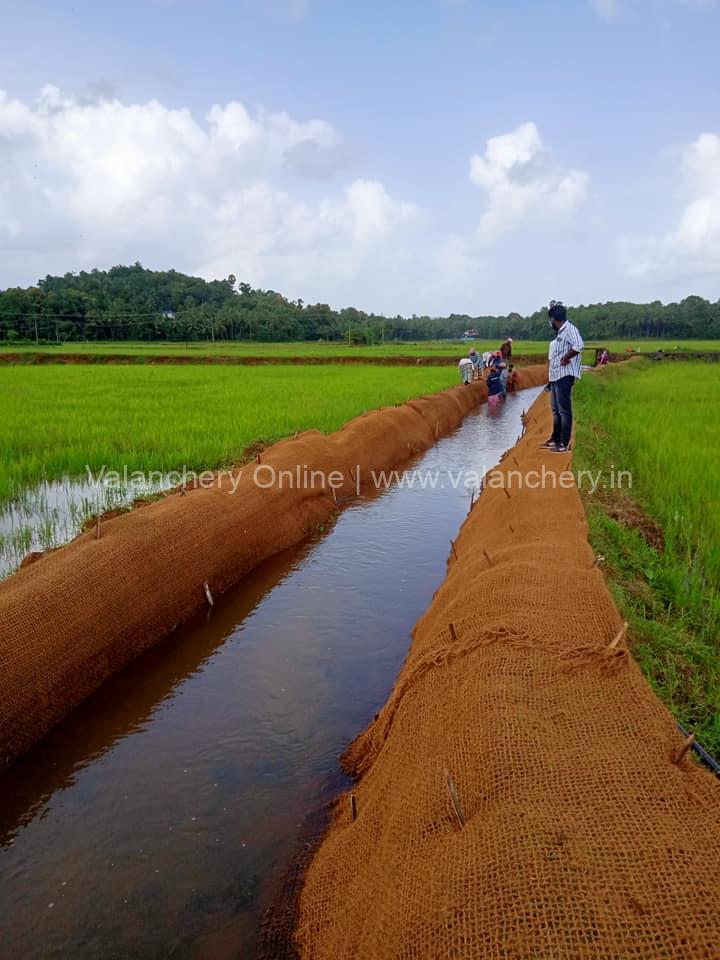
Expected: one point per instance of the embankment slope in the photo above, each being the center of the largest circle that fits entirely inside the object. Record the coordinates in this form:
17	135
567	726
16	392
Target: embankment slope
520	795
82	612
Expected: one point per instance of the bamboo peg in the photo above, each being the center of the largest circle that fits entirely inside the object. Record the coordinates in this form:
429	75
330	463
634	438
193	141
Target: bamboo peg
619	637
683	748
457	806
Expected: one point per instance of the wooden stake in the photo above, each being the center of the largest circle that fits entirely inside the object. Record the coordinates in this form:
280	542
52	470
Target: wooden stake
512	528
507	493
258	459
683	748
98	523
452	544
457	806
619	637
472	499
437	429
487	557
353	806
334	493
208	595
182	490
453	634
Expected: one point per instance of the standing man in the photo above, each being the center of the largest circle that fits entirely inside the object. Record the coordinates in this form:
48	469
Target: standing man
565	358
506	349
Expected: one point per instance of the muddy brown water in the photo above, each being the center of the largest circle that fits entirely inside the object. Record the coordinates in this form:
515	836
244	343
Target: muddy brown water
155	820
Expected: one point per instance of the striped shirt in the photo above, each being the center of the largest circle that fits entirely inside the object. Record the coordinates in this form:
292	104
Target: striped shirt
568	338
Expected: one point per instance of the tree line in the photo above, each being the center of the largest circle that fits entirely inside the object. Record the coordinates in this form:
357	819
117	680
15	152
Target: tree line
133	303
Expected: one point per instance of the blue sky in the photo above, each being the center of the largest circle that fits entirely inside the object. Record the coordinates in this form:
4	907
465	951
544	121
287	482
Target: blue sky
428	156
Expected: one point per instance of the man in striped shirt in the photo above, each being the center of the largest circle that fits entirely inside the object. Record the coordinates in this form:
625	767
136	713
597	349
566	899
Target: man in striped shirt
565	358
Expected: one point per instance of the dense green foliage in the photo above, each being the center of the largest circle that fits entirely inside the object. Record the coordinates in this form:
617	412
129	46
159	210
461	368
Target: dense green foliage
661	422
169	417
131	303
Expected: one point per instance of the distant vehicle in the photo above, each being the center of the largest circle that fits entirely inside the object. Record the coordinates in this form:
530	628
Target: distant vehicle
470	335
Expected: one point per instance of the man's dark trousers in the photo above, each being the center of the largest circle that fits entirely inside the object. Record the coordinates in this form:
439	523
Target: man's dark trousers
561	403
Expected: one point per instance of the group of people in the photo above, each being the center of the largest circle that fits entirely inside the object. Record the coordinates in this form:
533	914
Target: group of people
564	361
501	377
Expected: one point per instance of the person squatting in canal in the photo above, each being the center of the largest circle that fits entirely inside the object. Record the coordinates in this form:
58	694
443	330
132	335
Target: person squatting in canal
565	359
495	385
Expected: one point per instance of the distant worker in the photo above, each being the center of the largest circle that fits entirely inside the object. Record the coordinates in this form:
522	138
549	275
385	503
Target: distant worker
496	359
476	360
565	359
486	358
512	379
465	366
506	349
604	358
495	386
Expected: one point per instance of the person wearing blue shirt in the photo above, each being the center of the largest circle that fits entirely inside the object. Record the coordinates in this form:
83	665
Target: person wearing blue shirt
565	359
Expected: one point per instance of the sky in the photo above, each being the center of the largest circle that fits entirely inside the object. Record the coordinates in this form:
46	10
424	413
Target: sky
401	156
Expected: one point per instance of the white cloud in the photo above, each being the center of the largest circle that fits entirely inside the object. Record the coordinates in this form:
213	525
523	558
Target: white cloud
523	185
87	183
692	247
91	182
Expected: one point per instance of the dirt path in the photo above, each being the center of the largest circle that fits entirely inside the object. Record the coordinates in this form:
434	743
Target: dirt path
250	361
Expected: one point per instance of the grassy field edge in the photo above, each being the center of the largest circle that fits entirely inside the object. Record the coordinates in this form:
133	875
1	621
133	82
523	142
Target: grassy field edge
672	610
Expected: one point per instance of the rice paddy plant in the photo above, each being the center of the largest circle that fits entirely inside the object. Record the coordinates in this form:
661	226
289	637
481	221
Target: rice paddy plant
661	421
666	421
61	420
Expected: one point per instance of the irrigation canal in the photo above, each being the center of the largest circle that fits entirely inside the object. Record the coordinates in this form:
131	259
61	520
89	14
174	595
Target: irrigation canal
154	821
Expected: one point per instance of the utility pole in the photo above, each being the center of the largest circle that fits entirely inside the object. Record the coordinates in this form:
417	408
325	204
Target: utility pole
36	333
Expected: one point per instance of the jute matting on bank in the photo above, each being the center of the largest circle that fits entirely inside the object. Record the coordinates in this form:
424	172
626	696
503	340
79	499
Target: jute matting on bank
522	793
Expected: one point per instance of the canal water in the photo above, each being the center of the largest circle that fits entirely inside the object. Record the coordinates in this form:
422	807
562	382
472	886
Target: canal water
154	821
